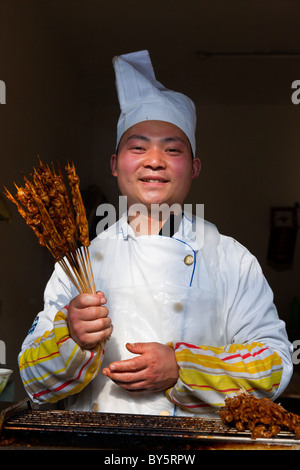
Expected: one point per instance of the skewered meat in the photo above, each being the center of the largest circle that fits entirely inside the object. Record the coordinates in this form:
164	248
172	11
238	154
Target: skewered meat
261	416
59	224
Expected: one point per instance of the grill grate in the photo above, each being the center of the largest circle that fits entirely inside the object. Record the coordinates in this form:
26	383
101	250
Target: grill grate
93	424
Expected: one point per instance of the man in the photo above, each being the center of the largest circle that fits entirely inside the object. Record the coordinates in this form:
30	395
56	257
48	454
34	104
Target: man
189	314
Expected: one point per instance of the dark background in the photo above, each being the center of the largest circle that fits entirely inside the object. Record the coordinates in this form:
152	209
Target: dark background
236	59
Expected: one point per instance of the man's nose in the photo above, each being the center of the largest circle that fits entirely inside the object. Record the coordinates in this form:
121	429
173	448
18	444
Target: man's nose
155	158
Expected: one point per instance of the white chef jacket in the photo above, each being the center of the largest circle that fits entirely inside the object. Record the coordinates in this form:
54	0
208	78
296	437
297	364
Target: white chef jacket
180	289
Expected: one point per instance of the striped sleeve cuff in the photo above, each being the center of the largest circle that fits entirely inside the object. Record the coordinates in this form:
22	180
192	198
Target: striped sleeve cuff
54	366
207	374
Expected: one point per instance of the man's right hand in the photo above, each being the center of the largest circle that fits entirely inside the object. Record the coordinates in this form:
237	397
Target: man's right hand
88	320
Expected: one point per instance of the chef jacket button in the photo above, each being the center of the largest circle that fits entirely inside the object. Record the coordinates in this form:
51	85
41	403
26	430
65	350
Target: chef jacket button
188	260
178	306
95	407
164	413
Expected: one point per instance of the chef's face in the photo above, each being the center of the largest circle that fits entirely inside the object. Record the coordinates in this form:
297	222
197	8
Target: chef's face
154	164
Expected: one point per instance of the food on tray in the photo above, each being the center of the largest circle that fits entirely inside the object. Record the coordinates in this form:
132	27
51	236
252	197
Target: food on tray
261	416
58	218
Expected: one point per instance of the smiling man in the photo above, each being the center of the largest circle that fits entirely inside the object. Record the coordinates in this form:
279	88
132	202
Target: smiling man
189	313
154	166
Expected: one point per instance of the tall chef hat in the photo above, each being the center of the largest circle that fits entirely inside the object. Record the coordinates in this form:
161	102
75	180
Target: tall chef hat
143	98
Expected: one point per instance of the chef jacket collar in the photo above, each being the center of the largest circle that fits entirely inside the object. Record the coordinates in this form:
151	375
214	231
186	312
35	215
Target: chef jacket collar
185	233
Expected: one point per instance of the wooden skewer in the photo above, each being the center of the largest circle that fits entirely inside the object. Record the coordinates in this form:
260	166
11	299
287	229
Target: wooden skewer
70	275
89	264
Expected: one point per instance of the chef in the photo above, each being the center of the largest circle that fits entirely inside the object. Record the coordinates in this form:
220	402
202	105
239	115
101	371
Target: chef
183	316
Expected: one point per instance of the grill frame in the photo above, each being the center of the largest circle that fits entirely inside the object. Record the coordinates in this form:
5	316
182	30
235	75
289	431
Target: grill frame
92	428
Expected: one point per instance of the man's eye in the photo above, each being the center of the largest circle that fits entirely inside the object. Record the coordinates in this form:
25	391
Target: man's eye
137	148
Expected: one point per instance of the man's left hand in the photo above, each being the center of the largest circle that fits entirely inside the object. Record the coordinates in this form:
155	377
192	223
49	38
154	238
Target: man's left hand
154	369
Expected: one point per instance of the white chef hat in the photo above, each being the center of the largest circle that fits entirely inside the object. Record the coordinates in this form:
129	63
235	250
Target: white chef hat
143	98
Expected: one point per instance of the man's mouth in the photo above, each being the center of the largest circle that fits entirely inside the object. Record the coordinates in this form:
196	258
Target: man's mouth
153	180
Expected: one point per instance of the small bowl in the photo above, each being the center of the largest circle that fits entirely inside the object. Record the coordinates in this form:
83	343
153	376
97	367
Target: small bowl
4	376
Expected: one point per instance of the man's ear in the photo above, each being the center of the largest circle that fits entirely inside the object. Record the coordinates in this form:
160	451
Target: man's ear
113	164
196	168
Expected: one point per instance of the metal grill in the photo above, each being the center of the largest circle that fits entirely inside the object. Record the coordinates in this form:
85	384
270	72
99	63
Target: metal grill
75	423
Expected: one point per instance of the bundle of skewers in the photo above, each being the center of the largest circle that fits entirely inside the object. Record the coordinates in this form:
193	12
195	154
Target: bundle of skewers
57	216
